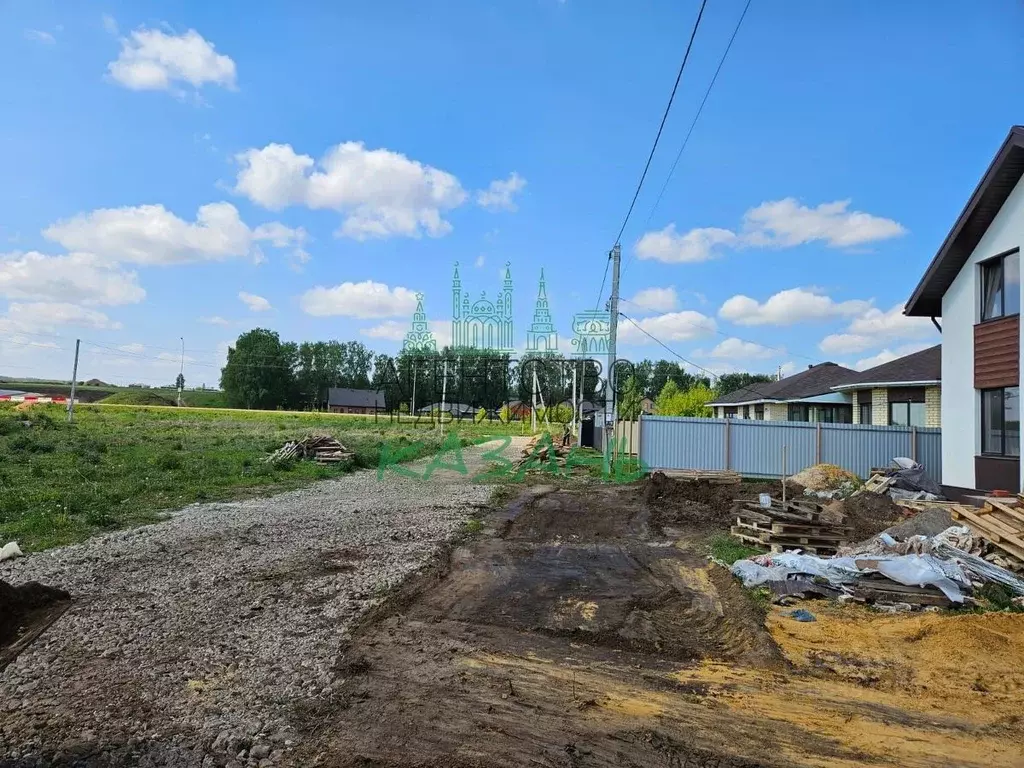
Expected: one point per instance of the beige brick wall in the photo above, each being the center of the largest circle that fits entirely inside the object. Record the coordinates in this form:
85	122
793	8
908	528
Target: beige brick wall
933	407
880	407
776	411
856	406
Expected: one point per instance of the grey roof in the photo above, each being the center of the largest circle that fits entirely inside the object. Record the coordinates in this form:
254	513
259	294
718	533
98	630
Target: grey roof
448	408
917	368
345	397
816	380
11	392
995	186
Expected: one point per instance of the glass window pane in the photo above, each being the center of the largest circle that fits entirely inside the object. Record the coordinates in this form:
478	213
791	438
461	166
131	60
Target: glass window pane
992	421
1011	415
917	414
1011	284
899	414
991	290
865	414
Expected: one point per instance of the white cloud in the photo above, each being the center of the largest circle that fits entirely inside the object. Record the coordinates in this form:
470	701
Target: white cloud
500	194
774	224
737	349
110	24
132	349
672	326
887	355
655	299
49	315
670	247
39	36
787	369
391	330
480	261
363	300
152	60
215	320
874	327
788	307
784	223
76	277
253	302
150	234
381	193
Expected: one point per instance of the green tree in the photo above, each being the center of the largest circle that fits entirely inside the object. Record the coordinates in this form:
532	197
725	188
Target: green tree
505	414
673	401
481	416
730	382
260	371
632	395
179	381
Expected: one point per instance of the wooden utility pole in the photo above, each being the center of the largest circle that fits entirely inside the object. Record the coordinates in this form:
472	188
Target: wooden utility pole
74	383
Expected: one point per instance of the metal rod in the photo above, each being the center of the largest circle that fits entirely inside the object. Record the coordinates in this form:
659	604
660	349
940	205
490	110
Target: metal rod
74	383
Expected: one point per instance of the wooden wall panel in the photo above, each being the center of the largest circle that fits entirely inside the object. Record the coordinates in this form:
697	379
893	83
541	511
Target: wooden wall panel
997	353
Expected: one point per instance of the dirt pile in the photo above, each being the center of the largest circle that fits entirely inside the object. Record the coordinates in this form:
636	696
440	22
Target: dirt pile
867	514
25	612
824	477
675	502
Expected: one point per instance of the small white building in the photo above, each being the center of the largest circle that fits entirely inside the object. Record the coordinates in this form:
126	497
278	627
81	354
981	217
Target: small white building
973	285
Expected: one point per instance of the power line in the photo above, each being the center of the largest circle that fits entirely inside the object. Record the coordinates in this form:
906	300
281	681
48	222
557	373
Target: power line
603	280
700	109
664	117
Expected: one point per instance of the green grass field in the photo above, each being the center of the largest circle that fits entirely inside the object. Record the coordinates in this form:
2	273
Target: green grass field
118	466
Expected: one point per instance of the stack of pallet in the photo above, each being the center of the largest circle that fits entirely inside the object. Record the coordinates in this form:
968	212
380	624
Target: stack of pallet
535	456
782	526
324	449
1002	524
713	476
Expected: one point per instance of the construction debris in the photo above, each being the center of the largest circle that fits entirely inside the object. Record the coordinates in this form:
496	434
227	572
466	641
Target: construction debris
534	457
796	524
324	449
827	481
1000	524
715	476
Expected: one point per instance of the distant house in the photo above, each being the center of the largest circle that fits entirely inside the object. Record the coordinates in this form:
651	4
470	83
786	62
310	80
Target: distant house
12	393
518	409
647	405
346	400
905	391
457	410
805	396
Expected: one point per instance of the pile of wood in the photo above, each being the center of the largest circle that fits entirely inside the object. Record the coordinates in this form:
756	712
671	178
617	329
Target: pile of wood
879	482
795	524
323	449
540	457
714	476
1001	524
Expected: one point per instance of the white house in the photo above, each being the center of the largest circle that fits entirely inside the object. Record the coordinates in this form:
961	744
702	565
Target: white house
973	285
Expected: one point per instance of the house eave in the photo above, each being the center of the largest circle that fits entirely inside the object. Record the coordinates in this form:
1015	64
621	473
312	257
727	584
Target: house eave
881	384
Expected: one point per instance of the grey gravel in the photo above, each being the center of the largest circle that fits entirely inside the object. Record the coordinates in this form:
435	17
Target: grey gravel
192	641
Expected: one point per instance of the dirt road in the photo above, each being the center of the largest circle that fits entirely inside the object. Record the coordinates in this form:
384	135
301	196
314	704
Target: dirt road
196	640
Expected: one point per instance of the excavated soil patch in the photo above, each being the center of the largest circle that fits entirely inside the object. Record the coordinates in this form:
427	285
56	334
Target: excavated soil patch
869	513
698	502
25	612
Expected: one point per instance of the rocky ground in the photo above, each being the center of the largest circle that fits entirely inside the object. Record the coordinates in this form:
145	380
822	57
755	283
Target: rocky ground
198	640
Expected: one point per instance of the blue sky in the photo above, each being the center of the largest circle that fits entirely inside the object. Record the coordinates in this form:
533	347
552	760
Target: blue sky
162	160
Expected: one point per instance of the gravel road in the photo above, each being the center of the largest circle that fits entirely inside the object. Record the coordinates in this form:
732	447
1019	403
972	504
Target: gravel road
195	641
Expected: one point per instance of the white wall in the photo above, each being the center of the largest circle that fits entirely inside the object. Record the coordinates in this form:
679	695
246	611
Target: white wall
961	310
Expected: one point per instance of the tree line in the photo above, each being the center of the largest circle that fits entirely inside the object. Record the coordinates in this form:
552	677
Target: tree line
264	372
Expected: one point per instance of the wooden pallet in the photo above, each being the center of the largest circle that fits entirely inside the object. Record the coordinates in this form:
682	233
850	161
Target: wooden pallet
878	483
795	524
998	522
717	476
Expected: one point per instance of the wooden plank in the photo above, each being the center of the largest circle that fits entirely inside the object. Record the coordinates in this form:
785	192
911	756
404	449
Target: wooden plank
1011	544
995	523
810	530
1006	509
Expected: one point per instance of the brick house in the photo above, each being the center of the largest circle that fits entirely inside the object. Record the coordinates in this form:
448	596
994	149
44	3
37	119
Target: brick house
903	392
805	396
973	284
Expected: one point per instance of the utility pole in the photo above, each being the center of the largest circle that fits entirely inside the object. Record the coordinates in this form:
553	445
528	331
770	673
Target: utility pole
181	372
613	310
74	383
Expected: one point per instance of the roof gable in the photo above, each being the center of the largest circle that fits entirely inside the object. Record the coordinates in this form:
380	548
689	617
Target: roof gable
995	186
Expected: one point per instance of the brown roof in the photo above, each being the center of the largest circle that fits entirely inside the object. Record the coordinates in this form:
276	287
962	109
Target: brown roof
816	380
995	186
917	368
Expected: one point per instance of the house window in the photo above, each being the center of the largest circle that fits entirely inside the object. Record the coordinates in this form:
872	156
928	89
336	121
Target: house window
759	412
865	413
730	412
906	414
799	412
746	411
1000	286
1000	421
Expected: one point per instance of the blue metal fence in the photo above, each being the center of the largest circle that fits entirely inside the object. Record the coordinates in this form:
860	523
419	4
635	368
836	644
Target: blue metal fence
755	448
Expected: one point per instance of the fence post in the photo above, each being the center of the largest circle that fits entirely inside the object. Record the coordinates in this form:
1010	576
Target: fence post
913	443
817	444
728	433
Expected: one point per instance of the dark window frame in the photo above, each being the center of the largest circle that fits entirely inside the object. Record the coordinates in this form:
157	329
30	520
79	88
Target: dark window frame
865	408
1002	429
908	403
798	409
759	412
999	259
